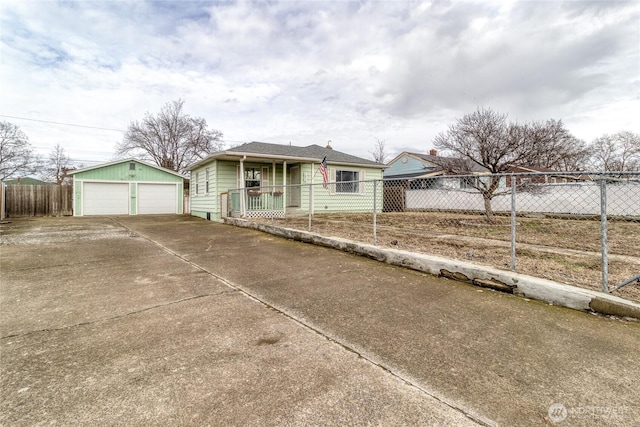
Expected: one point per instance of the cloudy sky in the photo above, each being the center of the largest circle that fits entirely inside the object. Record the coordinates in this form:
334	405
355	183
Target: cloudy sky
305	72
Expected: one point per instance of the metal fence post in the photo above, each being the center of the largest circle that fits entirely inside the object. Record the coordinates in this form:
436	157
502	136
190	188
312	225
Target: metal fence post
375	197
513	223
603	234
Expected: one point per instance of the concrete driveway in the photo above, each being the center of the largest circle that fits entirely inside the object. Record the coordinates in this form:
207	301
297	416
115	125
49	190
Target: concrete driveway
165	320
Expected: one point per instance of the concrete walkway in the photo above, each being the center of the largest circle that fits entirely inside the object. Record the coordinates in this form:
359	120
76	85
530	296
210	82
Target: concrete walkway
202	323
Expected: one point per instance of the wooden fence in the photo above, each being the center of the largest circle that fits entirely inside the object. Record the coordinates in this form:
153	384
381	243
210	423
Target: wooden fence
38	200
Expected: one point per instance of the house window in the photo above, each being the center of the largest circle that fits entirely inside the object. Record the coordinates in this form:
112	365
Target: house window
252	177
197	182
206	181
425	184
347	181
132	166
467	182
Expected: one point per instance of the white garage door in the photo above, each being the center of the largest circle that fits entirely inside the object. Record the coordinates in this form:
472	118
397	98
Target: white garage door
157	199
105	198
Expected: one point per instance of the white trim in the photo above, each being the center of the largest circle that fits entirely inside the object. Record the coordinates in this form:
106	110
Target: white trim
117	162
332	181
128	182
81	182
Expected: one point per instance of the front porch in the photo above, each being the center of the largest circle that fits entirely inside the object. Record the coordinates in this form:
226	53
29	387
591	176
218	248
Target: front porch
256	203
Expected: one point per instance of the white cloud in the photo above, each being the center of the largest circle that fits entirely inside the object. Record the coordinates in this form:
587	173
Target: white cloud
307	72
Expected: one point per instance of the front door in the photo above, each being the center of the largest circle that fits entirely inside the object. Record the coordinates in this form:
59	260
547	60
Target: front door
294	189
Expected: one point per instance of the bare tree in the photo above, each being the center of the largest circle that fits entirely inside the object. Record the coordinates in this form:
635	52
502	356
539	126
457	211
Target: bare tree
554	147
617	152
481	139
57	166
16	155
171	139
379	151
484	141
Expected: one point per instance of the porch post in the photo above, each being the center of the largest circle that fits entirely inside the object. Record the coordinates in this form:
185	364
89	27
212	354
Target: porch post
312	189
284	187
273	187
273	166
243	192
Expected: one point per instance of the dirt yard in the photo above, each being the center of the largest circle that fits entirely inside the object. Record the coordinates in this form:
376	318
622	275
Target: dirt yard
563	250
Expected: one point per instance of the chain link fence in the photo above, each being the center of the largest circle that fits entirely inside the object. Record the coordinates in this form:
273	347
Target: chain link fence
577	228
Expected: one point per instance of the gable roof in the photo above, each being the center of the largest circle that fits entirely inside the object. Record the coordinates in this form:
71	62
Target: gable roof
473	167
267	151
117	162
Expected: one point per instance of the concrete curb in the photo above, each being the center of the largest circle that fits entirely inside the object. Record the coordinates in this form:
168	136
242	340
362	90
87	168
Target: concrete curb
484	276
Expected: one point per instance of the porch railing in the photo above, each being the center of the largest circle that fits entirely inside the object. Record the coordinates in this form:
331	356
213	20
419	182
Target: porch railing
257	202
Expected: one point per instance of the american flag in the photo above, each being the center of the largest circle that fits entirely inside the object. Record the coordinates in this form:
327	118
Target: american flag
324	172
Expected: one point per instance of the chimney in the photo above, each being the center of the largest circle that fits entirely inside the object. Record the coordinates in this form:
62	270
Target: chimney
329	147
433	152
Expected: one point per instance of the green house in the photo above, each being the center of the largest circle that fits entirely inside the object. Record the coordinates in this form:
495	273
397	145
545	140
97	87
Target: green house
126	187
272	180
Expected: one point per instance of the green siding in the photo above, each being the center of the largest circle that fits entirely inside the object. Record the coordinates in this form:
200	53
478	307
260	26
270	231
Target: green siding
77	197
201	201
223	177
326	200
121	172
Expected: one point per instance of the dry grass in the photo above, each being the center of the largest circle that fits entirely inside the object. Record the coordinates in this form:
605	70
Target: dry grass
563	250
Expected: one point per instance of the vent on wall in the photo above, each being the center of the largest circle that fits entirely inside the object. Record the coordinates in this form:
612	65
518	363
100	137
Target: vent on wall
208	216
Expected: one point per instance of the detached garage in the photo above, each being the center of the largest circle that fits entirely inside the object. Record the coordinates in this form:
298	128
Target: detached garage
126	187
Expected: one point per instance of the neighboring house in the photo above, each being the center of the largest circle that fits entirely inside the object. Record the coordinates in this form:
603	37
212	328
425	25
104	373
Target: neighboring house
126	187
547	176
261	179
416	171
26	181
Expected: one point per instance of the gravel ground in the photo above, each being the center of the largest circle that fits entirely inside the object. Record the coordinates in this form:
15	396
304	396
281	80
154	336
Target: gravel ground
563	250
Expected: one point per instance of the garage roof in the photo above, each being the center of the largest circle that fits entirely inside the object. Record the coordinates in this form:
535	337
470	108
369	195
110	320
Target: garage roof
117	162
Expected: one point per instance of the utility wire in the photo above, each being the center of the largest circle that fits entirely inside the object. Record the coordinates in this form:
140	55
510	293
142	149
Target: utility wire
63	124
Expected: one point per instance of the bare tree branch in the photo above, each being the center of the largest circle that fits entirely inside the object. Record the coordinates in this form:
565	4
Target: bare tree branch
171	139
57	167
484	141
16	155
379	151
617	152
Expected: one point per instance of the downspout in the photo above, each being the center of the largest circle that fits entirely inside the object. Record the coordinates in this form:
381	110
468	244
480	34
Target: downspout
243	192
